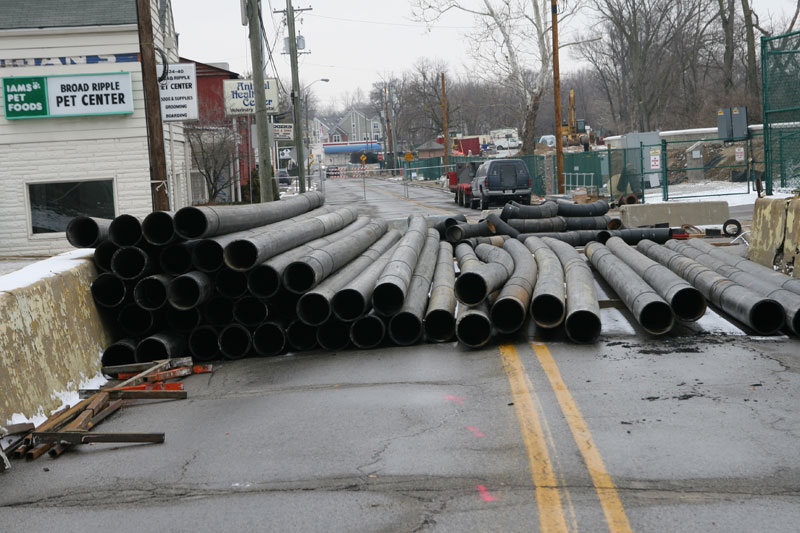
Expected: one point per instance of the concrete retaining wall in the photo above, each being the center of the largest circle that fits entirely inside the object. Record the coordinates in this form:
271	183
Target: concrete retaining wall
51	335
674	213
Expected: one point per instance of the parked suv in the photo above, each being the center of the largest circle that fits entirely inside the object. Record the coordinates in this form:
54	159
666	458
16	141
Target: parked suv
283	177
501	180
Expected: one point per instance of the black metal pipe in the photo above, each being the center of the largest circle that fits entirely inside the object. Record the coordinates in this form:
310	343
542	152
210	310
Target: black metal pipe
151	292
463	231
269	339
176	258
189	290
440	320
353	300
570	209
391	287
231	283
244	254
511	307
446	222
122	352
235	341
368	331
686	301
582	323
300	336
587	223
634	235
498	226
249	311
475	283
494	240
315	307
158	228
764	315
649	309
103	253
136	321
184	320
538	225
333	335
203	343
125	230
109	290
218	311
207	221
548	302
160	346
131	262
264	280
473	325
574	238
87	232
548	209
405	327
307	272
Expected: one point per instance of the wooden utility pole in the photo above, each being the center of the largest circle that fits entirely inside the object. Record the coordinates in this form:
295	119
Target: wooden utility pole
557	97
262	125
298	125
389	130
152	108
444	126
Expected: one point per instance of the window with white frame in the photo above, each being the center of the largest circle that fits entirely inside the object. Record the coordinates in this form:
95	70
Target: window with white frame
337	138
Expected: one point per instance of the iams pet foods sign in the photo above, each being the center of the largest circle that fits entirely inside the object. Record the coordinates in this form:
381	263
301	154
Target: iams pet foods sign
68	96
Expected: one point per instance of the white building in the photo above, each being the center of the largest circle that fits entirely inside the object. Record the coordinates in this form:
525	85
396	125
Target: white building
60	156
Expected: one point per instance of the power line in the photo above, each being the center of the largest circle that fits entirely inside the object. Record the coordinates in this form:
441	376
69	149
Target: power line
265	40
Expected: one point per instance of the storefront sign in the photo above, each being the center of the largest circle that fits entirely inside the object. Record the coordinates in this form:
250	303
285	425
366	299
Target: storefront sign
67	96
283	132
240	98
179	93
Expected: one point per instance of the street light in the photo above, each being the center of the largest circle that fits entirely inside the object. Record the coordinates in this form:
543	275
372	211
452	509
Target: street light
305	105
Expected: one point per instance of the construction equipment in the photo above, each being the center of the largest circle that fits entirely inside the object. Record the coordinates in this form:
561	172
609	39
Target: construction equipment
576	132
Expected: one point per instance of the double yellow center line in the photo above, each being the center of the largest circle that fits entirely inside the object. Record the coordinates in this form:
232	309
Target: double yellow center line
548	493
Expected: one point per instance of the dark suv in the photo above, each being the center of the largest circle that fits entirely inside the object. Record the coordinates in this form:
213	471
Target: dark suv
500	180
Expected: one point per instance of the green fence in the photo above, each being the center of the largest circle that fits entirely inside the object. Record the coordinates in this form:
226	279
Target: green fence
780	70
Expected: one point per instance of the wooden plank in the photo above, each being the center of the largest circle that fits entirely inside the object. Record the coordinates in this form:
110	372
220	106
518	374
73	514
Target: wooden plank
155	386
148	394
139	367
82	437
16	429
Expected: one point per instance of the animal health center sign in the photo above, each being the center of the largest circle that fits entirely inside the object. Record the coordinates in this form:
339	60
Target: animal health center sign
240	99
68	96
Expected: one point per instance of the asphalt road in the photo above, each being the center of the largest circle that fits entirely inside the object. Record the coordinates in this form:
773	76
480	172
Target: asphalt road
697	431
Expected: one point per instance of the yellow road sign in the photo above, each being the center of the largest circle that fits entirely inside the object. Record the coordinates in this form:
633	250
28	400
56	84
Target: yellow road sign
363	159
409	156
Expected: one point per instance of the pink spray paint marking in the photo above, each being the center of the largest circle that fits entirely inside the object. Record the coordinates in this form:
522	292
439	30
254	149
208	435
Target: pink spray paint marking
485	496
456	399
476	431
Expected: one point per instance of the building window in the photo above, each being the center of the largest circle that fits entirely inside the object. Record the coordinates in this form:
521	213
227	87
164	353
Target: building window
337	138
53	205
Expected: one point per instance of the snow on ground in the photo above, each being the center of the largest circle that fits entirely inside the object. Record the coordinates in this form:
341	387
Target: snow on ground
68	397
733	193
44	269
615	322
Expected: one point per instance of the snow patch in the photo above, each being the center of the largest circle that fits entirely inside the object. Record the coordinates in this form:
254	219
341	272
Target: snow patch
68	397
712	191
44	269
712	322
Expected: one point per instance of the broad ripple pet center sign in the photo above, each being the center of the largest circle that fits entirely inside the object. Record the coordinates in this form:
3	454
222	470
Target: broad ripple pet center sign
68	96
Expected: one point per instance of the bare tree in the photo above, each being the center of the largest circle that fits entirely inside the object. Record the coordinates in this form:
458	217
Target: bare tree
213	146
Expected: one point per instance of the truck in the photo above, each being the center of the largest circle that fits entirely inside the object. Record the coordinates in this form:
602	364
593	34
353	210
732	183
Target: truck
460	182
498	181
505	138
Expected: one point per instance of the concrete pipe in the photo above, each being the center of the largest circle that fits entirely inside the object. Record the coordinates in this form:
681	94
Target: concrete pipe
151	292
203	343
463	231
300	336
446	222
244	254
235	342
158	228
333	335
109	290
125	230
475	283
189	290
87	232
632	236
405	327
570	209
122	352
686	301
135	321
368	331
176	258
160	346
353	300
473	326
307	272
249	311
131	263
587	223
392	285
269	339
103	254
764	315
511	307
440	321
649	309
538	225
207	221
230	283
548	302
582	323
511	210
218	311
315	307
264	281
184	320
499	226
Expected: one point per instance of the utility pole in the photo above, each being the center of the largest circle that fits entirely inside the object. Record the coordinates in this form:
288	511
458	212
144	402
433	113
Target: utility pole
557	96
389	130
308	139
262	126
152	108
444	126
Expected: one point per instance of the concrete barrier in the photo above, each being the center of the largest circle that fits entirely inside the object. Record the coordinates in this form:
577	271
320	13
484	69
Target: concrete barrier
675	213
776	233
51	335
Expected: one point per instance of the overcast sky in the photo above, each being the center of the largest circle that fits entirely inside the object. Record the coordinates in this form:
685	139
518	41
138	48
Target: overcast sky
352	42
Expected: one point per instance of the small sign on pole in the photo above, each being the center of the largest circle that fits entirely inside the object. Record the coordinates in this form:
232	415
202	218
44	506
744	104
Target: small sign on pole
740	153
363	159
409	156
655	159
179	93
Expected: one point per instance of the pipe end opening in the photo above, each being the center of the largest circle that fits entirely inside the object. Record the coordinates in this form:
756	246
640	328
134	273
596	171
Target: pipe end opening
583	327
689	304
235	341
263	281
269	339
508	315
547	311
405	329
387	299
241	255
158	228
183	292
440	325
657	318
190	222
313	309
470	288
348	305
203	343
299	277
367	332
767	316
82	232
333	336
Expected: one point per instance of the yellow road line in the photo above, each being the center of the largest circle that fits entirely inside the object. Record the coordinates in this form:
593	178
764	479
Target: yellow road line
606	490
548	496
